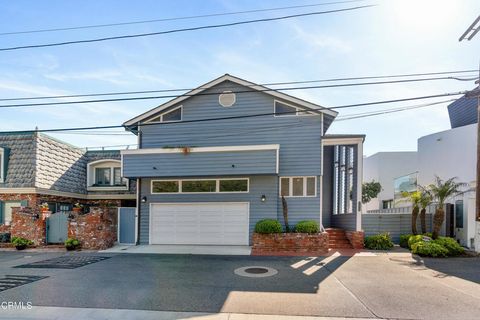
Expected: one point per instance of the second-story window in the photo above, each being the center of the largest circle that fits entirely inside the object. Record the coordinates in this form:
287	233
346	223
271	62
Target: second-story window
169	116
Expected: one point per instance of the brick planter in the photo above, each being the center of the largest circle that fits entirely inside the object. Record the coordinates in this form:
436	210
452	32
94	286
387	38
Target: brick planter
290	244
356	238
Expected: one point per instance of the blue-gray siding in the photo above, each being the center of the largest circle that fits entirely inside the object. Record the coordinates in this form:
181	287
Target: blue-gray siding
327	198
344	221
259	185
463	112
299	137
199	164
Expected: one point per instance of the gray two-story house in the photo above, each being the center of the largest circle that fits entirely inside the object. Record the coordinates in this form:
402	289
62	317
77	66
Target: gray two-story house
214	161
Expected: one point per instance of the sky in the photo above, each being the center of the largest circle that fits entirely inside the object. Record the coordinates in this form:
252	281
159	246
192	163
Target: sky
394	37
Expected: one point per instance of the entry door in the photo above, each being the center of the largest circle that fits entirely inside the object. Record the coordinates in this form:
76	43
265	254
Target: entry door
213	223
126	225
57	227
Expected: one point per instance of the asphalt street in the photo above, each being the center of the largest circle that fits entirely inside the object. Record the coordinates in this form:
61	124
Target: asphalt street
338	286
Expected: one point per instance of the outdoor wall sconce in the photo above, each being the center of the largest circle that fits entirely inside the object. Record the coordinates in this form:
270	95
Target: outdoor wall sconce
144	199
263	198
35	216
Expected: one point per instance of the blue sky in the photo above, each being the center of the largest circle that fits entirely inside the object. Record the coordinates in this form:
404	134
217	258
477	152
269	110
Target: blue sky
397	36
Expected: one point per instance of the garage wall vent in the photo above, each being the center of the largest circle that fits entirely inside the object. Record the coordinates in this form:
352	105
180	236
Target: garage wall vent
227	99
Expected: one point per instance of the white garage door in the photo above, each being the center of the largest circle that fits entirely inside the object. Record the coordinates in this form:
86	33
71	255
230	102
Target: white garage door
217	223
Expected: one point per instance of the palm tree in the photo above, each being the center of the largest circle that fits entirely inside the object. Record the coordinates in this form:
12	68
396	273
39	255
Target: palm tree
441	191
414	198
425	200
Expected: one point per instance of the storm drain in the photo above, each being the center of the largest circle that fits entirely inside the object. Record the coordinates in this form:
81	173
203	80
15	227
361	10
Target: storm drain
65	262
12	281
255	272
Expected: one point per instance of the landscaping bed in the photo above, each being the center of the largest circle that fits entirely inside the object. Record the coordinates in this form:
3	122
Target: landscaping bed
269	239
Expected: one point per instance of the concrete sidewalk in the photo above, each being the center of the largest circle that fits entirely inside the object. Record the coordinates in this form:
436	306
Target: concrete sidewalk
57	313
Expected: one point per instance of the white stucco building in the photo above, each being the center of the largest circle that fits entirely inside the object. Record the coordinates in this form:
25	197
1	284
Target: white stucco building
447	154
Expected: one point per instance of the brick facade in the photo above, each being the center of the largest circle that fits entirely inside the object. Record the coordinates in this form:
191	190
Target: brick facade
290	244
26	225
96	230
356	238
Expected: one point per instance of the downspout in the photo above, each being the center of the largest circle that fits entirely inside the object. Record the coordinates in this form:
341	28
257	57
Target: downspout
321	175
139	194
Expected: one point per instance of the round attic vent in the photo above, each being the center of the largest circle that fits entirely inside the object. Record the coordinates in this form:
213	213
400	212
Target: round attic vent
227	99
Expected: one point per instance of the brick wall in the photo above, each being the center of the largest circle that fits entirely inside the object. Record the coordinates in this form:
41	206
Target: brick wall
356	238
96	230
24	225
289	244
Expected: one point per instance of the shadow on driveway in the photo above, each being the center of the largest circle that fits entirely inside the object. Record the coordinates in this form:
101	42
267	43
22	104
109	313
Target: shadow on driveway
466	268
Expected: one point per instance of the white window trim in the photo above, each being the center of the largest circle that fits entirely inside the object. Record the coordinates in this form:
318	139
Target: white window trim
2	164
162	114
307	113
290	186
91	170
217	186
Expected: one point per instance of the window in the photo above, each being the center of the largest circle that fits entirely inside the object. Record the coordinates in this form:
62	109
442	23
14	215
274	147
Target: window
165	186
169	116
240	185
298	186
200	186
3	164
285	110
105	173
102	176
387	204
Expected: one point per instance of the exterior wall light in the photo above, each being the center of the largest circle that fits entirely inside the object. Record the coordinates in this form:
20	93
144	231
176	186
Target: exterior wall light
144	199
263	198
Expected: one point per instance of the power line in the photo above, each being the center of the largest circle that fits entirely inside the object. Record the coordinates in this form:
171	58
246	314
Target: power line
209	93
175	18
273	84
239	117
213	26
381	112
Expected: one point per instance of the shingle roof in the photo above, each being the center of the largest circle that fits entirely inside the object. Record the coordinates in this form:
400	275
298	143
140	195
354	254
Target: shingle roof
21	166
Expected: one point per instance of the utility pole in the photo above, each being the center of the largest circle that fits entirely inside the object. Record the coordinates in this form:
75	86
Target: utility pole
468	35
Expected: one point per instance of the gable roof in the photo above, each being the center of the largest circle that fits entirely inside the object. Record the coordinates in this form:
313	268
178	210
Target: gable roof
226	77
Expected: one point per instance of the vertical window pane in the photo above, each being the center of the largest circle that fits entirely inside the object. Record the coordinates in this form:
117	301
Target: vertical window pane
311	186
284	187
117	177
174	115
297	187
102	176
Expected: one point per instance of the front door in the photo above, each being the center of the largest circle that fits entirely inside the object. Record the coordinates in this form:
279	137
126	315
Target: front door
57	227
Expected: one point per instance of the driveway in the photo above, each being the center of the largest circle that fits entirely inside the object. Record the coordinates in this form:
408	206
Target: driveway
381	286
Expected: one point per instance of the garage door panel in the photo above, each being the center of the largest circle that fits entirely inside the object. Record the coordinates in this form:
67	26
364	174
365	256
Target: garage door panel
199	223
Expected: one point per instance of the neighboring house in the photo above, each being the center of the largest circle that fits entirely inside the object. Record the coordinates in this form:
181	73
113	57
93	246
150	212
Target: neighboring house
395	172
207	181
447	154
36	169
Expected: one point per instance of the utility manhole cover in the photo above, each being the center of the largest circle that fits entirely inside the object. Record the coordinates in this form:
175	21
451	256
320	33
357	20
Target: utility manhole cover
13	281
256	272
65	262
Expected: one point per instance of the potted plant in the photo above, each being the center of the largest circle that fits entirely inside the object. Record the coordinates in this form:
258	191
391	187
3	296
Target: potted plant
72	244
77	207
21	243
45	210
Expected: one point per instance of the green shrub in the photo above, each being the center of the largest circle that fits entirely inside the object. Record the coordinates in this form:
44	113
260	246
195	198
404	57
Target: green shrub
72	244
268	226
454	249
307	226
21	243
381	241
428	234
429	249
414	239
404	240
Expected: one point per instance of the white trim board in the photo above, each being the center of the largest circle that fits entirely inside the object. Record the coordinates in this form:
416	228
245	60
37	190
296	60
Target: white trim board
66	194
341	141
203	149
227	77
